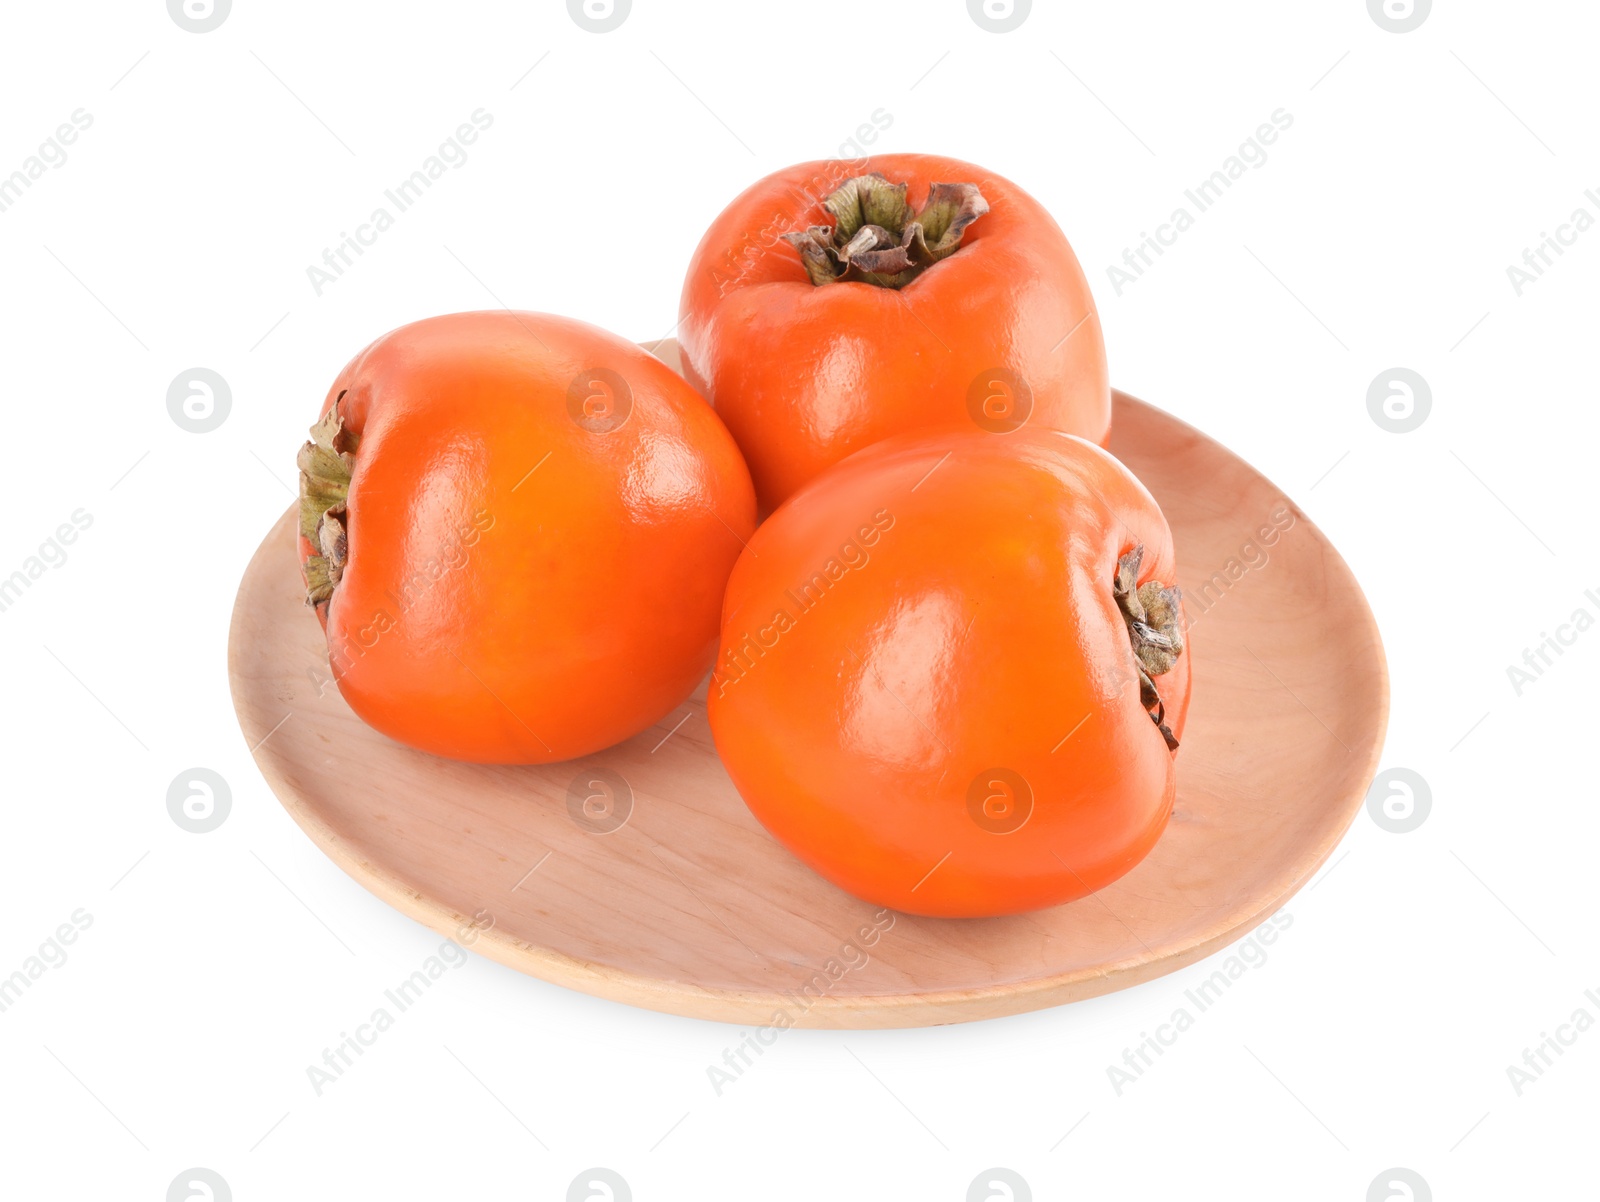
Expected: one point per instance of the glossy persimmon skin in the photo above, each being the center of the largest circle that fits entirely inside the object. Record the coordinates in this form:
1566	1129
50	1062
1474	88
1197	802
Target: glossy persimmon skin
967	629
805	375
521	589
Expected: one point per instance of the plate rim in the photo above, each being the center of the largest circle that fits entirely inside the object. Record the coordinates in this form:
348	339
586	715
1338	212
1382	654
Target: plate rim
902	1008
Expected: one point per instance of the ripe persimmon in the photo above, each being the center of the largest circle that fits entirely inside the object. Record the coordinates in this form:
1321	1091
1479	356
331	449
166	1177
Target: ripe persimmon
822	312
952	675
516	529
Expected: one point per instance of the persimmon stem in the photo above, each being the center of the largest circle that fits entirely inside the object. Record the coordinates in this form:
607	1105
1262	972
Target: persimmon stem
1154	619
326	463
877	238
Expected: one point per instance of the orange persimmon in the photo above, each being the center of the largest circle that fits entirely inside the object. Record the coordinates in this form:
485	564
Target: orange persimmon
823	312
952	675
516	529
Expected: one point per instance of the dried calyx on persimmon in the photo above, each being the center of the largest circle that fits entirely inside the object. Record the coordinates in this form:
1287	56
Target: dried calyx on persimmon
325	465
1154	616
878	238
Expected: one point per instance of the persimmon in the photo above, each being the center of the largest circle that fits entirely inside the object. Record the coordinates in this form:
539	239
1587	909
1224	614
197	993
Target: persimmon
516	529
952	675
822	312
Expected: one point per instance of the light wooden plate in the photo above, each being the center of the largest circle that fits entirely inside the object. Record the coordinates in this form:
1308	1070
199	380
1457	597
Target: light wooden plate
690	907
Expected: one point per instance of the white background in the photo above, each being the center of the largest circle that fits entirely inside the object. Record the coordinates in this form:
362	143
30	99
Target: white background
177	234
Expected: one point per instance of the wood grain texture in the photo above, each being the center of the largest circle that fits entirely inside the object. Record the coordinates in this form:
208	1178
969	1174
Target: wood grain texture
690	907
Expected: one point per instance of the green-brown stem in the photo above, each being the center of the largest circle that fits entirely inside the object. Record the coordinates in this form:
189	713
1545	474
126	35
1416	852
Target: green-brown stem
1154	619
877	238
325	466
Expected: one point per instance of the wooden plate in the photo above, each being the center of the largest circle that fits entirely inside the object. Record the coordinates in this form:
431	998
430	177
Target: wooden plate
690	907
